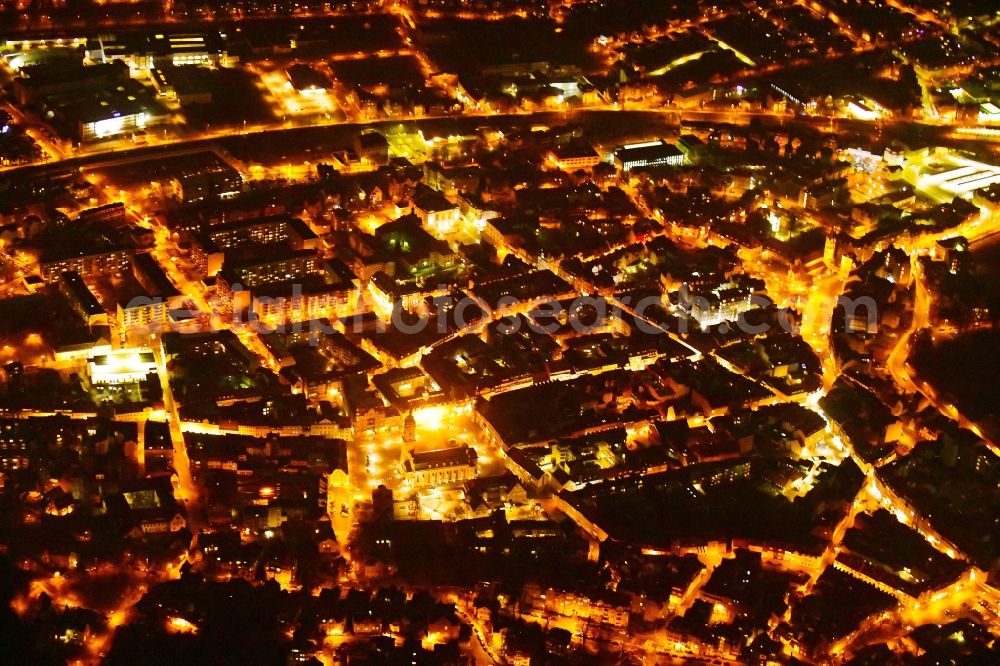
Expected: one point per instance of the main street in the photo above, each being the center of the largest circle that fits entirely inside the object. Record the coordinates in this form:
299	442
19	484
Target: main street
898	361
607	119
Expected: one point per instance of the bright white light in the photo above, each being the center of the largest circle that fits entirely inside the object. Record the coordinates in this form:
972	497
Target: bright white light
645	144
179	625
430	417
109	126
121	366
861	112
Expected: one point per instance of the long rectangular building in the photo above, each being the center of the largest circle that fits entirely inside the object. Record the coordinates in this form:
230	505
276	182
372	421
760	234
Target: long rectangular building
87	263
298	286
648	154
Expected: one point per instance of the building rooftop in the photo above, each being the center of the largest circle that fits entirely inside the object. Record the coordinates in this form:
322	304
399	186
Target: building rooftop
451	457
649	151
430	200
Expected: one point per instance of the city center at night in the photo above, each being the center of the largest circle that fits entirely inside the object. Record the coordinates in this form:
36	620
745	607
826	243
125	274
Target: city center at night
499	332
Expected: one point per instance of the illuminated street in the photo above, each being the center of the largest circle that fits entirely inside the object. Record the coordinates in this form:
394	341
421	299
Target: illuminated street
611	332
